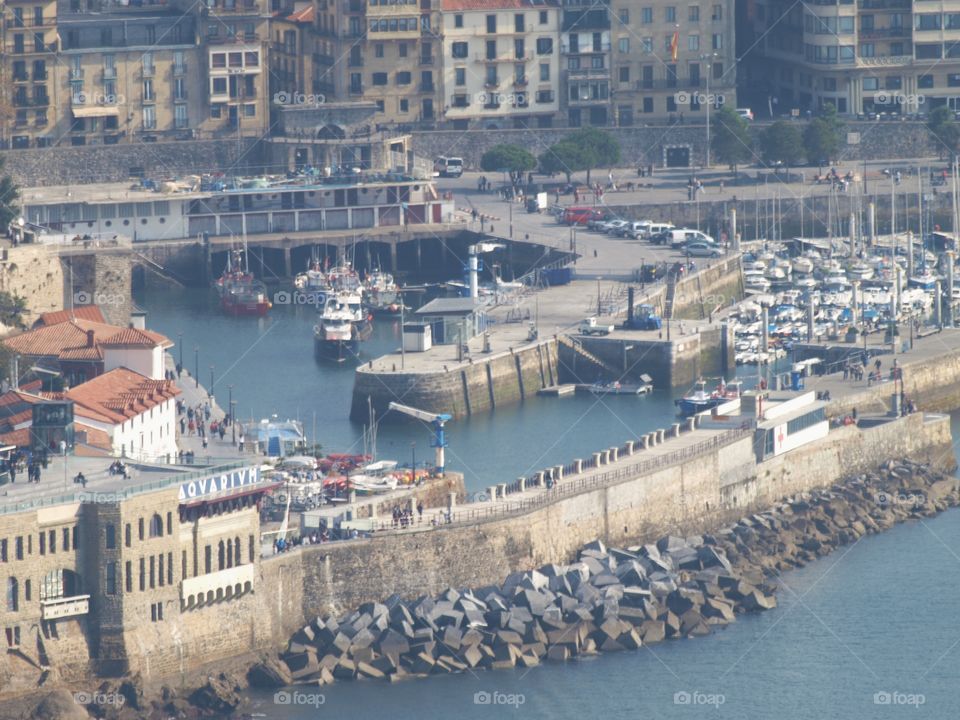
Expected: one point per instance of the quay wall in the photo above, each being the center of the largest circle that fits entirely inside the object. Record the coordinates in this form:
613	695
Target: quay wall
717	285
696	495
35	274
461	390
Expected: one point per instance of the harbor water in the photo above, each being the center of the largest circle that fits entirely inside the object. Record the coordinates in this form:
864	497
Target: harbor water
864	633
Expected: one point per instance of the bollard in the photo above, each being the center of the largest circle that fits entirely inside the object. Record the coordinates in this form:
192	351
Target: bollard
691	424
597	459
629	445
558	472
538	479
451	501
675	430
614	454
522	482
697	420
653	438
373	511
645	442
503	491
661	435
577	466
492	492
352	497
605	456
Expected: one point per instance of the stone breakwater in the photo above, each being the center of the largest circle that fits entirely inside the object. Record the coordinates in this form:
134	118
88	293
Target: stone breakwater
608	599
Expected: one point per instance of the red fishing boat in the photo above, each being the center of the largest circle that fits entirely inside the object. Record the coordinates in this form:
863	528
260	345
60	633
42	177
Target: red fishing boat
240	292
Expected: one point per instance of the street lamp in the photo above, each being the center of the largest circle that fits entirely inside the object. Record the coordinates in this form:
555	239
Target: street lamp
210	391
196	365
708	57
413	459
180	343
233	422
230	403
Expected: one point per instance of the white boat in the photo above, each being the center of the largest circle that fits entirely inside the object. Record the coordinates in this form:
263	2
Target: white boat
806	283
758	283
774	272
372	484
802	265
859	271
755	265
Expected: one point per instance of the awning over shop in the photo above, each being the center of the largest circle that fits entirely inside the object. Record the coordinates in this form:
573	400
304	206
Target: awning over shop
86	111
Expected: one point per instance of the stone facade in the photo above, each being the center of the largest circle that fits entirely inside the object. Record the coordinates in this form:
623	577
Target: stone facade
35	274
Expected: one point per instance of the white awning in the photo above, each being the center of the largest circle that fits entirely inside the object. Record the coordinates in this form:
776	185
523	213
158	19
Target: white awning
85	111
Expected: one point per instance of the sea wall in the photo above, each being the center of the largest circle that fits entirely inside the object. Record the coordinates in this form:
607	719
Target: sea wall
703	492
715	285
34	273
462	390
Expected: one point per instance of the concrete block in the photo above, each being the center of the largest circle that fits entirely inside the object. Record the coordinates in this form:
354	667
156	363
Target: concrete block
558	653
661	435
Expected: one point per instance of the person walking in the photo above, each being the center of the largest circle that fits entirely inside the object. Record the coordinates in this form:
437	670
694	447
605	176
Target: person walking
420	510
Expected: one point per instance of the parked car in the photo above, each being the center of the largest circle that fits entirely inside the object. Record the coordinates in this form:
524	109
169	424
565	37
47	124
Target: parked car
702	249
613	227
579	215
655	229
634	229
602	217
745	113
679	237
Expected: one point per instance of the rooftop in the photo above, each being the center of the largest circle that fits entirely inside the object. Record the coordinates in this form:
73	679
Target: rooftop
80	340
83	312
120	394
444	306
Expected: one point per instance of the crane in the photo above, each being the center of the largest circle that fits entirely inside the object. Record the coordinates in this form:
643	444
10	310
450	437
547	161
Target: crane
473	267
437	420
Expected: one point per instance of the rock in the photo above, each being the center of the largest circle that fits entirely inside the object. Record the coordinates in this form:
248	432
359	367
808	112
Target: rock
756	600
366	670
558	653
346	669
653	631
269	673
59	705
218	695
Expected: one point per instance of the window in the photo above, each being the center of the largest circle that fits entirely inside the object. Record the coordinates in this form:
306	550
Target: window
927	21
27	590
544	72
925	82
491	23
951	21
111	579
460	101
153	572
693	43
126	535
251	548
717	41
156	526
140	527
491	49
716	14
867	50
183	565
646	15
18	548
693	13
518	23
52	538
128	576
670	14
623	45
208	559
460	76
402	49
894	82
929	51
13	594
169	568
953	80
3	550
43	543
492	75
111	537
221	556
459	50
624	73
623	15
544	46
403	78
646	45
519	49
458	21
160	575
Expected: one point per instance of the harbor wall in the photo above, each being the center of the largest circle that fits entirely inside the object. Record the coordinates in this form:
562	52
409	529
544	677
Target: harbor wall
35	274
699	494
716	285
463	389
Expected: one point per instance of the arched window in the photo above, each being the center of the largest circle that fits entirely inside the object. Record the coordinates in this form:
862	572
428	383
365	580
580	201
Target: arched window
13	594
221	557
236	551
111	536
156	526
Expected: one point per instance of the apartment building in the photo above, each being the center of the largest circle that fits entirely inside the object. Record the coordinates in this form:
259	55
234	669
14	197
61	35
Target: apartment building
672	59
501	63
27	71
386	52
585	49
871	56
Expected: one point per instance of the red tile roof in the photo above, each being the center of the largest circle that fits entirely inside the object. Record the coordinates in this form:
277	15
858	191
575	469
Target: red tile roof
455	5
119	395
20	438
16	407
303	15
80	340
84	312
97	443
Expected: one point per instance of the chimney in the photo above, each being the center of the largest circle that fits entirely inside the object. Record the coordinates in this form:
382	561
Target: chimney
90	338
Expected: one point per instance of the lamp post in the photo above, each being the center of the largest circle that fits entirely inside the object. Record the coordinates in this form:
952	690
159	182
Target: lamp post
196	366
233	424
709	57
210	391
180	343
230	403
413	459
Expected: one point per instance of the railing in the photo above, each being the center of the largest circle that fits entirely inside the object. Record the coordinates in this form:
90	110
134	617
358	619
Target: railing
577	72
568	487
57	608
884	32
218	585
884	60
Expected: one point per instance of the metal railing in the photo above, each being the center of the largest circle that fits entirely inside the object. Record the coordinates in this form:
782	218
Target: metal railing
568	487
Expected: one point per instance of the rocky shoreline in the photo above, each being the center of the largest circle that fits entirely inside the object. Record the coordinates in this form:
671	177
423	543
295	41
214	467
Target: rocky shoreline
608	600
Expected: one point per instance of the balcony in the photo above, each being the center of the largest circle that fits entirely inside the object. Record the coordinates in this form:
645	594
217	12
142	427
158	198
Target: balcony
180	70
884	4
57	608
885	61
589	72
460	101
234	7
21	77
426	60
217	586
28	22
878	33
510	58
76	74
427	87
520	82
148	71
39	75
356	90
492	85
592	50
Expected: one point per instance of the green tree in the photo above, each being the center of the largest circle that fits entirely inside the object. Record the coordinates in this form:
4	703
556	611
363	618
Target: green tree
731	143
508	158
821	139
600	148
945	132
12	308
782	142
564	157
9	195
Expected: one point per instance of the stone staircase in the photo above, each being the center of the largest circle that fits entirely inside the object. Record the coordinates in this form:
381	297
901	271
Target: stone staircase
577	347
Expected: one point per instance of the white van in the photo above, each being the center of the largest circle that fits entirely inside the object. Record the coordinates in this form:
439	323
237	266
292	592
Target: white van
678	237
448	166
655	229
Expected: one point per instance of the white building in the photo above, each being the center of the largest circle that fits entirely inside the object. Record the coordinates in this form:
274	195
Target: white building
136	349
501	63
137	414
